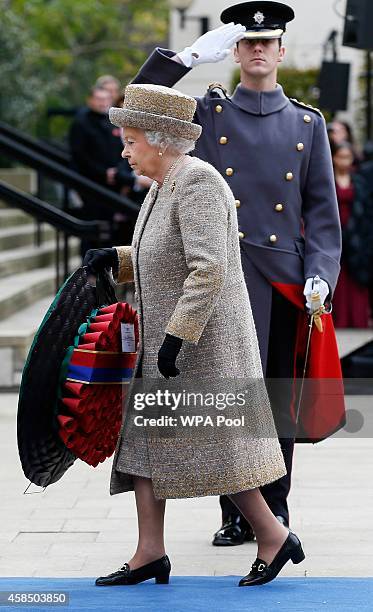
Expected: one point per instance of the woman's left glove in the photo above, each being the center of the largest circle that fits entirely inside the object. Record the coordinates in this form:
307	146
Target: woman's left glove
167	355
96	260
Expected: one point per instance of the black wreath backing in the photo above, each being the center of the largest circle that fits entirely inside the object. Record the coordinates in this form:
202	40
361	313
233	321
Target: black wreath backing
43	455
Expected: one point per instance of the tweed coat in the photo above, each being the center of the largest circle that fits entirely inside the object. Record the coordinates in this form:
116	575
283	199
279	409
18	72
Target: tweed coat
274	153
185	262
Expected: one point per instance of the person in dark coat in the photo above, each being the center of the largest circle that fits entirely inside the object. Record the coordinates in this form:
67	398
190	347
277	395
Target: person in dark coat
275	155
366	167
351	298
96	147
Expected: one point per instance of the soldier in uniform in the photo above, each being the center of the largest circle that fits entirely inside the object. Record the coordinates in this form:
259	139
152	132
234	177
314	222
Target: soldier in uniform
274	153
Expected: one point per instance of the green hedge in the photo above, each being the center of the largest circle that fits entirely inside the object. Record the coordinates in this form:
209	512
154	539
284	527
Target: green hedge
52	51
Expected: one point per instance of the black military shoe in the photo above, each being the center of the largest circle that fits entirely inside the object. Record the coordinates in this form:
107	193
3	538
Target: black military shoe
159	569
233	532
261	572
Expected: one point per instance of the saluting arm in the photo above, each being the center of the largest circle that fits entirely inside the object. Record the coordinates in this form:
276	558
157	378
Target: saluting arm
165	67
160	69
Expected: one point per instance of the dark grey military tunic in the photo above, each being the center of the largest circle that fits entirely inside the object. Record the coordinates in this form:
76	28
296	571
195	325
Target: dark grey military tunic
275	156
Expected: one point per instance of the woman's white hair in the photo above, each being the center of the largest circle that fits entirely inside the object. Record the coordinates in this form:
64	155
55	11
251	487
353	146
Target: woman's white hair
161	139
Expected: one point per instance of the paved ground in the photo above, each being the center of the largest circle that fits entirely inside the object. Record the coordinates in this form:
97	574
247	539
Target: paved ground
76	529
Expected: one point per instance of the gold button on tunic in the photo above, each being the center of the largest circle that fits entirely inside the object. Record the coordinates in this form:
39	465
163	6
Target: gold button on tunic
279	207
307	119
223	140
241	235
273	238
218	108
300	146
229	171
237	203
289	176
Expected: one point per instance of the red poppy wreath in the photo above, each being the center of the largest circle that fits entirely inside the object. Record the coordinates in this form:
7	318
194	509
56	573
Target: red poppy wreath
94	378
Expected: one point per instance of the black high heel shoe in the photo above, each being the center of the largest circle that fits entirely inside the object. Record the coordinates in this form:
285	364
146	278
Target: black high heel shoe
159	569
261	572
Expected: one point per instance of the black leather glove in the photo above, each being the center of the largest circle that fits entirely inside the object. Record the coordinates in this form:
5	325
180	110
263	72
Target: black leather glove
167	355
96	260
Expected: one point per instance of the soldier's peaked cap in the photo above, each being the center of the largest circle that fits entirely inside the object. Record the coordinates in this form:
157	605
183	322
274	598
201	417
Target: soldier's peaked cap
261	19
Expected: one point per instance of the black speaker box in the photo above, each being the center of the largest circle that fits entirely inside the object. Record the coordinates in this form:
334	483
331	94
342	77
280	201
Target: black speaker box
333	84
358	30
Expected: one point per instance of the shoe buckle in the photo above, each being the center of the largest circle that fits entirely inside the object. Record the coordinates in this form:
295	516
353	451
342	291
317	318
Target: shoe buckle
261	567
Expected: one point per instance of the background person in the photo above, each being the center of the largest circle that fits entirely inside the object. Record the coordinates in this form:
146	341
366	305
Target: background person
96	147
111	84
341	132
351	298
94	143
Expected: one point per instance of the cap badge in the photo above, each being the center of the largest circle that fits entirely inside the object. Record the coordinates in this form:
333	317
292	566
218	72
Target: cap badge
259	17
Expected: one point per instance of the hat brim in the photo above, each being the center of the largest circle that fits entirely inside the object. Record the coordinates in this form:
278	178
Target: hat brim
122	117
266	34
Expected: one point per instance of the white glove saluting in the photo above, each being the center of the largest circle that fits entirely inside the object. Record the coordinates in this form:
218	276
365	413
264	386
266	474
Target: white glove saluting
213	46
323	289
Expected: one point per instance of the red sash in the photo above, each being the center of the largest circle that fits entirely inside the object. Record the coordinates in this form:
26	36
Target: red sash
322	409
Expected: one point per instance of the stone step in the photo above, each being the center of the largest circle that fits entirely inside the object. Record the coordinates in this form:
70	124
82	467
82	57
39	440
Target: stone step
23	324
13	237
351	339
24	179
16	335
12	216
21	290
26	258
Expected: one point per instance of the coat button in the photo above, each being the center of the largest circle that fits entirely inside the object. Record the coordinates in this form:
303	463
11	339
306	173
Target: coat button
273	238
241	235
289	176
300	146
307	119
279	207
237	203
223	140
229	171
218	108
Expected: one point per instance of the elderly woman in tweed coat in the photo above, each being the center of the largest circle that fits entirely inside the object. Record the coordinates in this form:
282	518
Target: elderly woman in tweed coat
196	321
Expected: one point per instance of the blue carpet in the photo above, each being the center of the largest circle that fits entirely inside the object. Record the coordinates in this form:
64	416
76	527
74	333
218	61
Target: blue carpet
202	594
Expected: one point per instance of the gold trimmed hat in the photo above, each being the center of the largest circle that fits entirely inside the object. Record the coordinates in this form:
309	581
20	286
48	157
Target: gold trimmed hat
261	19
159	108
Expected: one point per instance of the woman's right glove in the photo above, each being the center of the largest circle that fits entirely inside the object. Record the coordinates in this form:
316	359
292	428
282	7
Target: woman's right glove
214	46
96	260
